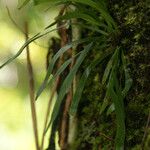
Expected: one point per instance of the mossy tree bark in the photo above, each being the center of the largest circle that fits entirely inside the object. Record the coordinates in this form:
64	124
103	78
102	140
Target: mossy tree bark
97	131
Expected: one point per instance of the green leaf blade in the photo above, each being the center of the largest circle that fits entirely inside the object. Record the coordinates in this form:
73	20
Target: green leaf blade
78	93
82	82
67	83
53	61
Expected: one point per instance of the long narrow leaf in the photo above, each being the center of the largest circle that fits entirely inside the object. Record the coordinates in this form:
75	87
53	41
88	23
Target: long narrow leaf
78	93
67	83
93	28
37	2
118	101
53	61
115	93
109	66
81	84
99	7
37	36
78	14
62	68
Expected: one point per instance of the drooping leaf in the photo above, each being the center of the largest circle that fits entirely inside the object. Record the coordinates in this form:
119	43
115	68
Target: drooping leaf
78	92
115	93
52	24
81	84
62	68
99	7
67	83
52	2
50	69
117	99
37	36
92	28
53	61
109	67
78	14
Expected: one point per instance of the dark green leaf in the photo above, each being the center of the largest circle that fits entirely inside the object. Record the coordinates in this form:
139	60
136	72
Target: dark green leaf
109	66
37	36
77	14
78	92
53	61
67	83
99	7
62	68
93	28
82	82
52	2
119	110
115	94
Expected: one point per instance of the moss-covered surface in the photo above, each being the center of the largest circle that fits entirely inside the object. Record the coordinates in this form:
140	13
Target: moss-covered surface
97	131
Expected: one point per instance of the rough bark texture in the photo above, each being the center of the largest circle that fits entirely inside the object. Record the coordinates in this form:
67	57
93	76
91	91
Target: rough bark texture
97	131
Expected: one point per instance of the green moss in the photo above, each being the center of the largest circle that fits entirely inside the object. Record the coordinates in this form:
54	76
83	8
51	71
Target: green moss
133	21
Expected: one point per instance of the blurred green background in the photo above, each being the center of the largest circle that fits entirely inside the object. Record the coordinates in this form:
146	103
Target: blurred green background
15	115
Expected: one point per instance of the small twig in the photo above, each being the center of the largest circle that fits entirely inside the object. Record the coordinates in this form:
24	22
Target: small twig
48	111
51	97
32	91
64	123
64	39
75	36
52	92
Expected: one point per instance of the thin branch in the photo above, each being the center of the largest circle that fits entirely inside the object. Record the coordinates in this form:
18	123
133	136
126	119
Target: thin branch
64	130
64	124
32	91
64	127
48	111
64	39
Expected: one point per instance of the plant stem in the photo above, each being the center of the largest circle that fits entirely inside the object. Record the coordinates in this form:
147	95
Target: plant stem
31	90
48	111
